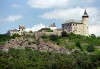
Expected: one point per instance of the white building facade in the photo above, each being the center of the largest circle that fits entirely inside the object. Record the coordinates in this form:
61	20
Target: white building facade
20	31
53	26
77	26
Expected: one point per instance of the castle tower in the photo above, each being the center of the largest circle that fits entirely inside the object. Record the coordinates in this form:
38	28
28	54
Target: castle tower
85	18
53	26
21	29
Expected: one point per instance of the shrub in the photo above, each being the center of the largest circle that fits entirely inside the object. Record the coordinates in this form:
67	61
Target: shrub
64	34
93	36
53	37
49	30
79	46
30	31
15	35
91	48
44	36
4	38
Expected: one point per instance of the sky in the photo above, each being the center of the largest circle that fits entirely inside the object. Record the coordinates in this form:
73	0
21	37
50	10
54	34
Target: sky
35	14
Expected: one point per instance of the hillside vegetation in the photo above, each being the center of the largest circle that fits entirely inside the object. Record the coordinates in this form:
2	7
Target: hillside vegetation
68	51
29	59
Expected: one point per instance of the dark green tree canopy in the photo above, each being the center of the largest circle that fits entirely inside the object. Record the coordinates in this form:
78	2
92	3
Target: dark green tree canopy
64	34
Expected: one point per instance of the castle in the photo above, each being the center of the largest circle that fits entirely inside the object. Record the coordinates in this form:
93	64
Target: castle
15	31
70	26
77	26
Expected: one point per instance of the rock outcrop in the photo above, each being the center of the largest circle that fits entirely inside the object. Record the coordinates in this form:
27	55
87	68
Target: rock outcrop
40	44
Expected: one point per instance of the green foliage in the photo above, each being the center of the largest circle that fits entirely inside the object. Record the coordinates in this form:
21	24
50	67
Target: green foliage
37	42
64	34
93	39
93	36
44	36
53	37
49	30
90	48
29	59
97	52
79	46
15	35
30	31
4	38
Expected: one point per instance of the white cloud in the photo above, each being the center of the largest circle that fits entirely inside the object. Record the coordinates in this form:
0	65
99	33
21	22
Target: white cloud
46	3
64	13
16	6
36	27
94	29
73	13
57	3
13	18
76	13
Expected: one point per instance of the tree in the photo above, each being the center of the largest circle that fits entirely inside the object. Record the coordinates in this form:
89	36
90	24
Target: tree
79	46
93	36
44	36
49	30
4	38
64	34
30	31
15	35
53	37
91	48
37	42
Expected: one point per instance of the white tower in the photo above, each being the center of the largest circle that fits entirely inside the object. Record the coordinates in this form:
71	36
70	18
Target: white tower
21	29
85	18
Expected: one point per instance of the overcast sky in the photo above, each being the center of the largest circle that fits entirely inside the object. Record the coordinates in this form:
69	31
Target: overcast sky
34	14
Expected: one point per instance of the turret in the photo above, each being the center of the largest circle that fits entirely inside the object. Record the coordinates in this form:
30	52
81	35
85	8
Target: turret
85	18
85	15
21	29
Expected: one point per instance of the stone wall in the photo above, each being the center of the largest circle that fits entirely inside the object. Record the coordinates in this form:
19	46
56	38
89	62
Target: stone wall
55	32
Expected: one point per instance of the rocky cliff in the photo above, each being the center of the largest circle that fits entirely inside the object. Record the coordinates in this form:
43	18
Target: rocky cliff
35	44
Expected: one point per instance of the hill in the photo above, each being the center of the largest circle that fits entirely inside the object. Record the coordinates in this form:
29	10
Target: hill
68	51
65	43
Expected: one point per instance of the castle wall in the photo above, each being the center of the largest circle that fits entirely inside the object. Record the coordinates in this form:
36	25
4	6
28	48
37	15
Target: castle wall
55	32
67	27
77	29
14	32
77	26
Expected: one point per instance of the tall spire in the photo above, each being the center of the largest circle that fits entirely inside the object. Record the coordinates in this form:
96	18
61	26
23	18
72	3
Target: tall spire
85	14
